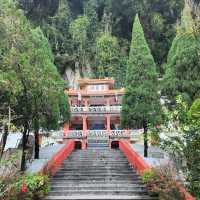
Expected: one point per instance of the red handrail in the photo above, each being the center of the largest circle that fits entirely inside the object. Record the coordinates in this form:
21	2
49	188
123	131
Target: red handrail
57	159
133	157
141	165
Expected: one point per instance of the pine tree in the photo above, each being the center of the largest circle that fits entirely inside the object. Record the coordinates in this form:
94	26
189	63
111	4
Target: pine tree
141	99
183	64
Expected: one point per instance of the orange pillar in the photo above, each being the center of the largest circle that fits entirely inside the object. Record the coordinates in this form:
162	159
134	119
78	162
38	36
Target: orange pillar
85	128
108	122
86	105
66	128
84	123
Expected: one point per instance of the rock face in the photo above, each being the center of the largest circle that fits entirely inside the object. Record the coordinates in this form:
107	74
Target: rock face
97	174
195	5
72	74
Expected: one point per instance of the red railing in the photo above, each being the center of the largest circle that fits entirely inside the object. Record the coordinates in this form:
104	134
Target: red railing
57	159
140	164
133	157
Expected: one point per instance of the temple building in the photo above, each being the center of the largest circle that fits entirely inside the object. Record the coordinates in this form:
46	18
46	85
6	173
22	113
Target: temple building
95	110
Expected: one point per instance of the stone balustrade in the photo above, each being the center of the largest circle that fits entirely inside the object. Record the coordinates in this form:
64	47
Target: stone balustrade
96	109
117	134
75	134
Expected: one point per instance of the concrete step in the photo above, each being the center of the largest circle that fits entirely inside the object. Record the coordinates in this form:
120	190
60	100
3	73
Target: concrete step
106	179
96	174
98	157
61	186
102	197
95	182
98	192
98	160
93	168
102	175
101	164
96	171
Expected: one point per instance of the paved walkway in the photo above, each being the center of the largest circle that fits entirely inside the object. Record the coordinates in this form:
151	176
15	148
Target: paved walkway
45	154
156	155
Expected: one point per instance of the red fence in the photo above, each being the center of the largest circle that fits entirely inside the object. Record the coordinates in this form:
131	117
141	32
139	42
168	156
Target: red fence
55	162
140	164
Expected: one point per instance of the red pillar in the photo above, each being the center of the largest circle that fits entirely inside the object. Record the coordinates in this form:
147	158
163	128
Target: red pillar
84	123
84	131
66	128
108	122
86	104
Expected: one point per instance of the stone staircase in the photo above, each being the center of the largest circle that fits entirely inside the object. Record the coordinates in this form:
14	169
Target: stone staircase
97	143
97	174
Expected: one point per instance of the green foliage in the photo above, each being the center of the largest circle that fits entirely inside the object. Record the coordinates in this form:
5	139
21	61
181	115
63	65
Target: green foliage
78	30
37	187
141	99
194	112
185	146
158	17
192	156
12	159
182	73
155	136
107	54
34	183
27	64
32	81
147	175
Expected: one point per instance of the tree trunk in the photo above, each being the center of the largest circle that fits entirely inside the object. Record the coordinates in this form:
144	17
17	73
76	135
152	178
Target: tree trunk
24	141
4	139
37	141
145	138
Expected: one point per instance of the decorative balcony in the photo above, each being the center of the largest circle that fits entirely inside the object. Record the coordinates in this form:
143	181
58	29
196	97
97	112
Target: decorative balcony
97	134
96	109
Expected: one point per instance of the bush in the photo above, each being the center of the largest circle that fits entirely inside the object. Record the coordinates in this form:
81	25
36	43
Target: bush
161	181
154	136
37	187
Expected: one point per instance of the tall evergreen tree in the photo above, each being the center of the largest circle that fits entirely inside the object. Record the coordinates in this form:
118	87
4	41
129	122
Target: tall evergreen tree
141	99
183	64
30	83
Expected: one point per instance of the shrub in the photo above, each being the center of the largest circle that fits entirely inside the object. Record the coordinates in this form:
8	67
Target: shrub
37	187
155	137
161	181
